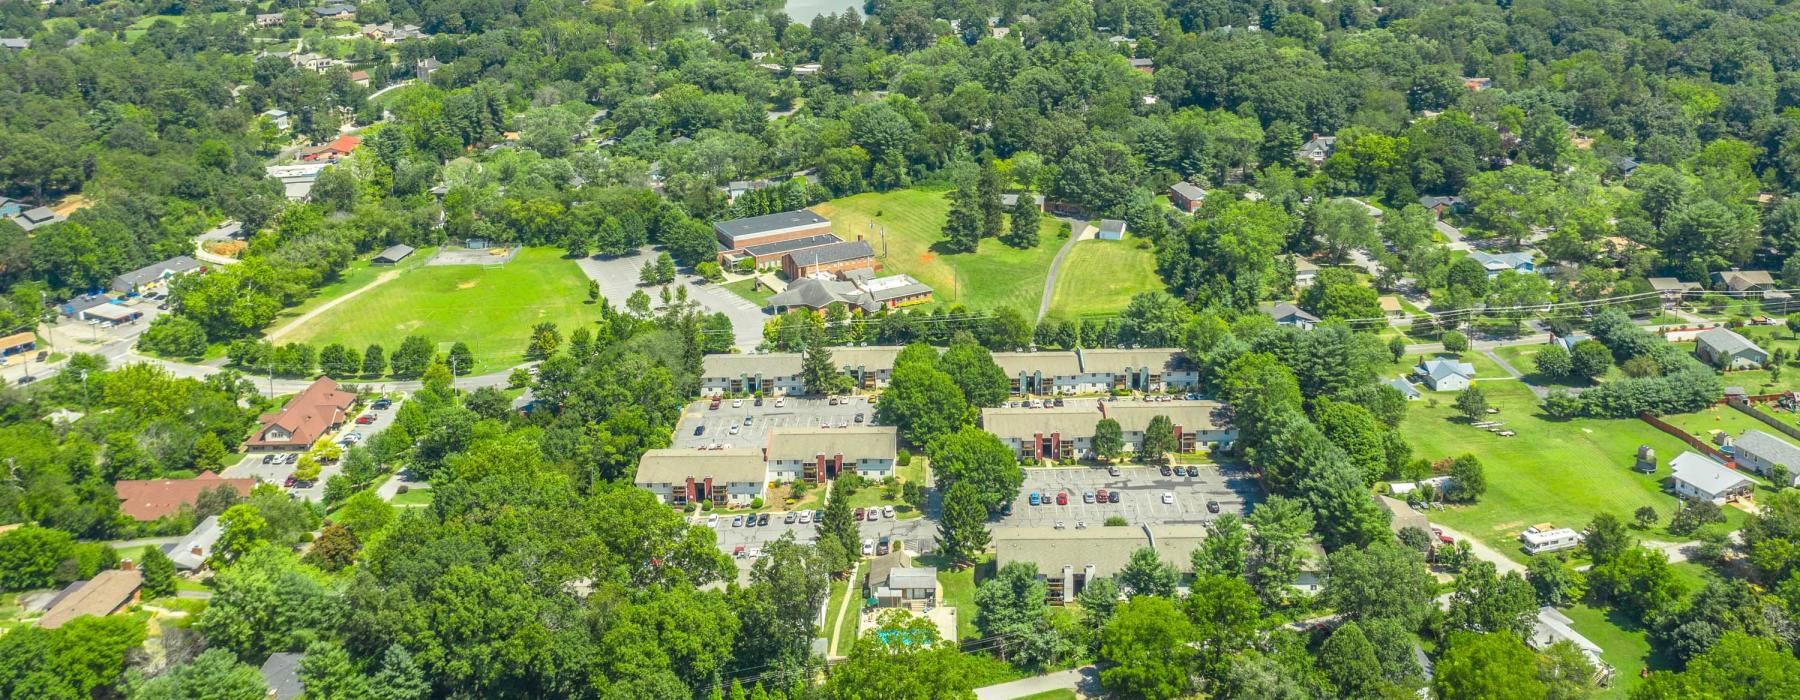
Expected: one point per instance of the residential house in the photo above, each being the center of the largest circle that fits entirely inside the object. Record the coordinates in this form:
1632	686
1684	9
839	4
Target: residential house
1496	263
338	149
1403	516
1069	559
10	207
893	583
770	228
1405	388
1442	205
335	12
1011	199
1111	230
1390	306
145	500
1552	626
1304	272
1626	165
1672	290
1741	281
1186	196
106	593
281	674
1478	84
1143	64
1043	372
14	43
314	62
270	19
1698	477
318	409
831	259
297	180
1725	349
388	33
1443	374
151	277
765	254
392	255
1286	314
425	67
36	218
862	292
730	477
1568	342
1317	149
769	374
820	454
1760	452
196	547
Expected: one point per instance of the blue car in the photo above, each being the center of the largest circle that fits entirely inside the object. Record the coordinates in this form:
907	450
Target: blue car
1036	500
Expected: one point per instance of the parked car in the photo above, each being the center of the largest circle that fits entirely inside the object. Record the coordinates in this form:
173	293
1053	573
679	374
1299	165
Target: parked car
861	513
790	518
1059	402
887	511
805	517
868	546
712	520
757	402
43	355
292	457
714	406
365	419
1112	470
699	430
27	379
381	404
733	430
832	400
751	522
762	519
874	514
1062	498
268	458
737	521
1006	508
737	403
738	551
1212	506
779	402
1100	496
1168	498
859	417
1446	539
1087	497
1167	470
1036	499
1112	497
749	419
882	547
288	482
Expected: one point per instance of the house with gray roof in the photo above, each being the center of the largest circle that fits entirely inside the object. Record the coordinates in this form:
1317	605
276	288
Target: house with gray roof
1726	349
1552	626
1405	388
197	546
1759	452
727	477
148	277
1317	149
335	11
1735	280
1442	204
1698	477
1286	314
1496	263
36	218
1011	199
892	582
1187	196
1445	374
14	43
281	673
1672	289
1567	342
769	374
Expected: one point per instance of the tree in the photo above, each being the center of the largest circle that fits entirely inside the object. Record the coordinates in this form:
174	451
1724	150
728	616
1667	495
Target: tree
399	678
1149	643
374	361
460	358
1397	347
1646	516
1493	666
1348	660
819	374
973	369
1692	515
243	529
962	533
1455	342
1025	220
1639	582
29	555
593	291
334	549
1381	581
925	667
1553	582
1147	574
1554	362
1738	667
1606	538
1109	439
1225	549
412	358
1159	439
1277	529
175	336
1590	359
838	524
1468	480
1472	403
216	674
328	672
923	402
1011	610
159	573
1483	601
209	451
975	457
963	228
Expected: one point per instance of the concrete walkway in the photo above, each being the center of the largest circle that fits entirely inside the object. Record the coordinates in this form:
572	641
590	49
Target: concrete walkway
843	609
1085	681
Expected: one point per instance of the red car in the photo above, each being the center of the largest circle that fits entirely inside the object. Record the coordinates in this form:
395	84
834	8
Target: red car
365	419
1062	499
1100	496
861	514
1446	539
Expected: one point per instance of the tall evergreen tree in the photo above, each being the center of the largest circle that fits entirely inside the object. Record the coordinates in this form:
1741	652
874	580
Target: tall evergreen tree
1159	439
987	187
838	523
963	532
962	232
1025	218
819	374
159	573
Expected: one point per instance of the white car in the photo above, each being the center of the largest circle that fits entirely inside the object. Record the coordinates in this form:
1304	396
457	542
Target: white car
733	430
887	511
737	403
874	514
868	547
805	517
1168	498
712	521
780	402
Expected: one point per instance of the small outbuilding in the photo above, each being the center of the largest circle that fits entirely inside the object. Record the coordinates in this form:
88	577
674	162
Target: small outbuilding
393	255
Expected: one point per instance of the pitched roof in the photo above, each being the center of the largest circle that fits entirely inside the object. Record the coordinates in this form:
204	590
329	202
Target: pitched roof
1442	369
1501	261
194	548
816	293
149	499
1319	143
1725	341
1107	549
1119	361
1671	284
873	358
1767	447
102	595
1074	421
308	415
36	217
1404	387
833	253
769	364
395	253
1053	363
282	674
180	264
1283	311
1403	515
675	465
1112	226
865	442
1704	474
1135	416
1188	190
1740	280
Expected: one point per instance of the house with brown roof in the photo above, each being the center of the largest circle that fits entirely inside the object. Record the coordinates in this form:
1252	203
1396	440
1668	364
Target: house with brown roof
106	593
148	499
317	410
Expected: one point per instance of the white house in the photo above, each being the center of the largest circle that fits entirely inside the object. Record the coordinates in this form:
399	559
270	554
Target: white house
819	454
732	477
1405	388
1759	452
1698	477
1445	374
1304	271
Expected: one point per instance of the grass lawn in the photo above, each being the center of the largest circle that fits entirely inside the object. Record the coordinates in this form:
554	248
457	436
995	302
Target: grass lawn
750	290
359	274
1523	358
1100	277
833	622
959	589
413	497
1700	424
1623	645
1060	694
1561	472
1762	381
913	219
491	309
875	494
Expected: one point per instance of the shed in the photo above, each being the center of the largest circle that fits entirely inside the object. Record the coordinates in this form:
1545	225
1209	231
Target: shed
393	255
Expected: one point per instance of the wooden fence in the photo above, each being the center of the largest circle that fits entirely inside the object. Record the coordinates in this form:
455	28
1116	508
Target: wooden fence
1682	435
1748	409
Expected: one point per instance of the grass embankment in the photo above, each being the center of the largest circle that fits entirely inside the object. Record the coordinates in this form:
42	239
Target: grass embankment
1100	277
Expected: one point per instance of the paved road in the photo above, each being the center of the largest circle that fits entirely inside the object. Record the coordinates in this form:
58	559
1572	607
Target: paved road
1085	681
618	278
1078	230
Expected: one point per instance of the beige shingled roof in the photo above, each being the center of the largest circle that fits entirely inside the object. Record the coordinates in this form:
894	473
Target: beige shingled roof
1023	423
1114	361
102	595
1107	549
775	364
1134	416
872	358
1051	363
866	442
674	465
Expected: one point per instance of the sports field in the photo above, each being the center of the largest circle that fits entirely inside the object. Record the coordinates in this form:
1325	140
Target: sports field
994	276
491	309
1100	277
1560	472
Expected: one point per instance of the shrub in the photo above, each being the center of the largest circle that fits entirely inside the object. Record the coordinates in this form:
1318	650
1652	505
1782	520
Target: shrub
756	502
1116	521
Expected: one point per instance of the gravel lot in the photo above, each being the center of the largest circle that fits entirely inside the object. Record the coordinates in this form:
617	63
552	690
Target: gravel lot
793	413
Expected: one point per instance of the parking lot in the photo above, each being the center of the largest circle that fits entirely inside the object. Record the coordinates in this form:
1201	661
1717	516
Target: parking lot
1141	490
277	470
793	412
618	279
